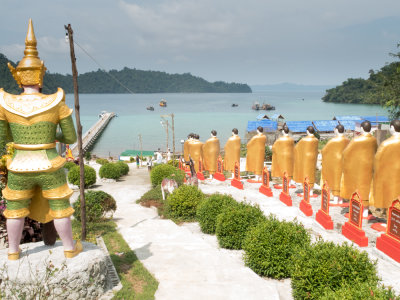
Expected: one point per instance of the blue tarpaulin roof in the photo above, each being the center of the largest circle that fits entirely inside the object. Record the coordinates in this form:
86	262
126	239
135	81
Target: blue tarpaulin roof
268	125
262	116
298	126
375	119
348	118
348	124
327	125
276	116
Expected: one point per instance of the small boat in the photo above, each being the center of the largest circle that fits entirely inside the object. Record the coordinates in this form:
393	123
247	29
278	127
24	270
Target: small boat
163	103
235	105
150	108
267	106
256	106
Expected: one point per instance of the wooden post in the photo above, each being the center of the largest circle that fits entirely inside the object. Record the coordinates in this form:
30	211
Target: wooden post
141	148
79	129
173	137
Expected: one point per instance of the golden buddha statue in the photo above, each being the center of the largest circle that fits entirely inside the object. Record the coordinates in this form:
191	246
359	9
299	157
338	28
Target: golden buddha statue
283	155
232	151
332	161
305	158
210	153
256	153
358	160
186	146
386	186
196	151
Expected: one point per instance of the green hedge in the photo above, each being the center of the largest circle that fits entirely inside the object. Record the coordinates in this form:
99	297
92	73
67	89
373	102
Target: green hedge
234	222
110	171
270	245
153	194
123	167
74	176
161	171
69	165
102	161
98	204
210	208
182	203
327	265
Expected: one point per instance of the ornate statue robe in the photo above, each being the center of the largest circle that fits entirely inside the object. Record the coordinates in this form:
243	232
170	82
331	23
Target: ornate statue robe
305	159
232	153
210	154
282	157
256	154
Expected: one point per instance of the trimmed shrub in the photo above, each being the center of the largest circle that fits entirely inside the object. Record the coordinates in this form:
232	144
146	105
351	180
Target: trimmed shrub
102	161
234	222
210	208
174	163
69	165
182	203
153	194
74	176
161	171
123	167
327	265
270	245
98	204
110	171
360	290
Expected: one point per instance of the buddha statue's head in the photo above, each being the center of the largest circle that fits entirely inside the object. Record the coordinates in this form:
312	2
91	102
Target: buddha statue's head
196	136
213	133
366	127
235	131
339	130
190	136
260	129
395	127
30	69
310	130
285	130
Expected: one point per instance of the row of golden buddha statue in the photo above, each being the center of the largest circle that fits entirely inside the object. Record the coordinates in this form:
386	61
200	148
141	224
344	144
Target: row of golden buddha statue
347	165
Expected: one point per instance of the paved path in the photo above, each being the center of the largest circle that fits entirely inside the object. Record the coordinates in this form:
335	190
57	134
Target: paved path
187	263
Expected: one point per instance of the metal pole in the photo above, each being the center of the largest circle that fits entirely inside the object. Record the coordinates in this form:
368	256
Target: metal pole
166	150
173	137
141	148
79	129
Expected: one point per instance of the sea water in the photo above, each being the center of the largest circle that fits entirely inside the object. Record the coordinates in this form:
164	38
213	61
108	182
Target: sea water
198	113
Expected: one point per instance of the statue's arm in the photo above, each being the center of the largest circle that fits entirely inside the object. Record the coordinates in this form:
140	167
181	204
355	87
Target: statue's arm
68	133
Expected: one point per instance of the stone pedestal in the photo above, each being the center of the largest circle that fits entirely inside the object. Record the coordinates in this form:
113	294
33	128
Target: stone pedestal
44	271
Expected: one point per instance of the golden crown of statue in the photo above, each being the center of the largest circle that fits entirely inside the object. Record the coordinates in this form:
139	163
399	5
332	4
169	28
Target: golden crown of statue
31	69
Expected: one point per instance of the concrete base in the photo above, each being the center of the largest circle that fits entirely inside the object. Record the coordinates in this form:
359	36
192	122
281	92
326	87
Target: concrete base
44	271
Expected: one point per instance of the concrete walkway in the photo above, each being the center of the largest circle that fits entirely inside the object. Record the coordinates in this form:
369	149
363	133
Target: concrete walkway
187	263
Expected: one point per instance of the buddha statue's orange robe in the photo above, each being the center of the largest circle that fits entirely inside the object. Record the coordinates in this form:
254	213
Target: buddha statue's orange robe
282	157
358	160
210	154
256	154
196	153
386	187
232	153
305	159
186	149
332	155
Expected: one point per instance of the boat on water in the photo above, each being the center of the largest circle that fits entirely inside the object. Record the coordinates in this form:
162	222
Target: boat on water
150	108
256	106
235	105
264	106
163	103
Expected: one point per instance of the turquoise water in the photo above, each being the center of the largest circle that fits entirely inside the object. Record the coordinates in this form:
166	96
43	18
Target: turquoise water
198	113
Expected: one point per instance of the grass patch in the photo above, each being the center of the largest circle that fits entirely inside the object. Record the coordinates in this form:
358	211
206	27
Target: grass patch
137	282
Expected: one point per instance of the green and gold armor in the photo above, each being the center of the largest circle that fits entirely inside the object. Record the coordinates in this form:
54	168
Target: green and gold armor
36	179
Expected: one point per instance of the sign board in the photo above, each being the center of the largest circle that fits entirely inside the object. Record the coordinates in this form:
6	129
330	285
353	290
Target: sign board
325	198
219	164
393	228
285	183
356	210
237	172
265	177
306	190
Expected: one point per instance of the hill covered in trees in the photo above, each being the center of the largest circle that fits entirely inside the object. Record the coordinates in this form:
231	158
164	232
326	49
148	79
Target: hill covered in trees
124	81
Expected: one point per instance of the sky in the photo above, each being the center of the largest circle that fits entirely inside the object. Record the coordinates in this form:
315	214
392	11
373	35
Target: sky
309	42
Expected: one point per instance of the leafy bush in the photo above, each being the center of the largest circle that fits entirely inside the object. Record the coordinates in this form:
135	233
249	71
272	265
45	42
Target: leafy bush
98	204
102	161
174	163
74	176
182	203
360	290
269	246
131	159
159	172
326	265
110	171
234	222
210	208
123	167
268	153
88	155
153	194
69	165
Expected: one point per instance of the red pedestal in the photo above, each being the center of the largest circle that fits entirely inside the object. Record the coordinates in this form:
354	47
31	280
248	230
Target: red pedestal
379	227
389	246
324	219
200	176
311	196
265	190
279	186
355	234
370	217
285	198
254	181
306	208
237	184
340	204
219	176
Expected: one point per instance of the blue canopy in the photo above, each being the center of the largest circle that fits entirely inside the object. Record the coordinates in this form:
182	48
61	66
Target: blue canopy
327	125
298	126
348	125
262	116
268	125
376	119
348	118
276	116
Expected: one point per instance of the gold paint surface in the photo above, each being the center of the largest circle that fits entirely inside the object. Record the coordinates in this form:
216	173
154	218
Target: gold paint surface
15	195
232	153
305	159
256	154
196	152
283	157
186	149
386	185
358	160
210	154
35	147
39	208
62	192
332	155
16	214
59	214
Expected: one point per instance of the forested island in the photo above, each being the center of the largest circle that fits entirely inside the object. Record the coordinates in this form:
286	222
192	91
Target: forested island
124	81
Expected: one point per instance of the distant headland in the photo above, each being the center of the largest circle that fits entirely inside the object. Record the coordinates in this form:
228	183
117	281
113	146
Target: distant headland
124	81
